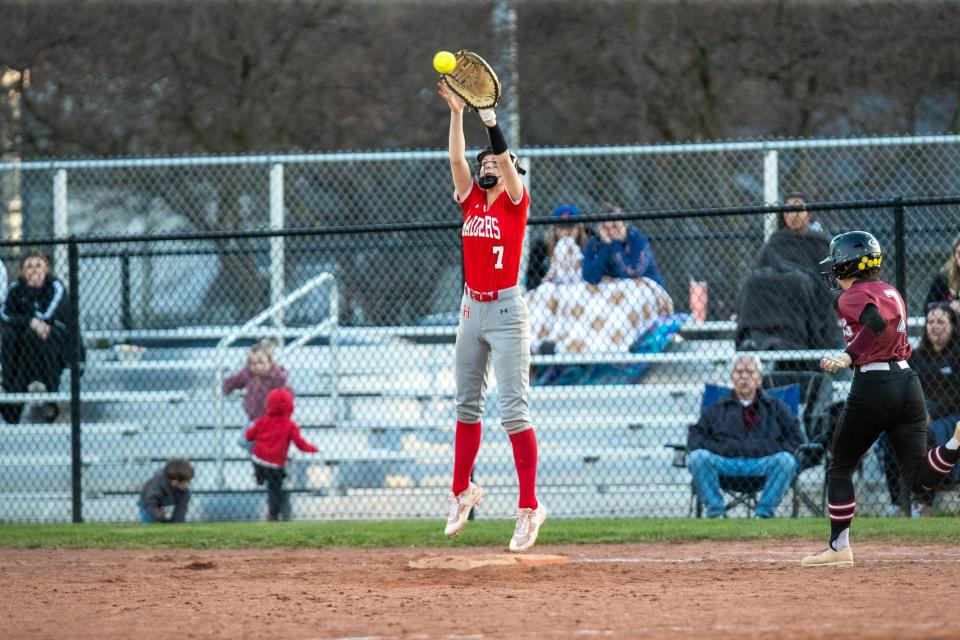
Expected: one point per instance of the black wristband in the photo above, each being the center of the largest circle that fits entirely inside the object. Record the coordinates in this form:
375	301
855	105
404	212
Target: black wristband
497	142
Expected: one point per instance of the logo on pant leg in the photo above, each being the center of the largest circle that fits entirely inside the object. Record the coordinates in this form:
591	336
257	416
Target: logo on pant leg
466	311
504	310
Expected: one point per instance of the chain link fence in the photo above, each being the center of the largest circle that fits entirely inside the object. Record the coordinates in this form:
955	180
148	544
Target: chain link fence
357	303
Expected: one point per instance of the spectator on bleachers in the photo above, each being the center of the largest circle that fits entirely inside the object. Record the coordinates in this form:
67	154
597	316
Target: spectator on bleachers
271	436
257	378
557	256
615	312
748	433
937	363
946	284
788	273
618	251
170	487
35	321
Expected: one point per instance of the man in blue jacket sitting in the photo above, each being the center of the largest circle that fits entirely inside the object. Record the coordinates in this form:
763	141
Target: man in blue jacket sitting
748	433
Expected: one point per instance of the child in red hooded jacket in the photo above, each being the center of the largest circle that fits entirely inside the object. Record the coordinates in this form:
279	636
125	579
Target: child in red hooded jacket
271	436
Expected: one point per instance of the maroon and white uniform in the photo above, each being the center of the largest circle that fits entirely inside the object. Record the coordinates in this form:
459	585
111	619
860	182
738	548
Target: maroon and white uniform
889	346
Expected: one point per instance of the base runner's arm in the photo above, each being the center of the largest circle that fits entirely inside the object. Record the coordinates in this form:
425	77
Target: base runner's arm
873	325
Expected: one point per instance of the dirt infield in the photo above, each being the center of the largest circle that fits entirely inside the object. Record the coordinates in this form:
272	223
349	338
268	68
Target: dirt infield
742	590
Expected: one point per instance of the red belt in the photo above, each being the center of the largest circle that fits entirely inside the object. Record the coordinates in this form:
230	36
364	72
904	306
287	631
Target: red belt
482	296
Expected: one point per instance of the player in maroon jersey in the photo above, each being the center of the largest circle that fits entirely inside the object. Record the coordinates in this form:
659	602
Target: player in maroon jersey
885	395
494	320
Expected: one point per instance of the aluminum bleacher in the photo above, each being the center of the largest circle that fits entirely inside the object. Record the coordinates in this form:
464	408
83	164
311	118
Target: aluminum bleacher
383	423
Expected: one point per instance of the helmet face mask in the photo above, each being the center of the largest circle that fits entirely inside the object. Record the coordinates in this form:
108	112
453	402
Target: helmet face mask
490	181
851	254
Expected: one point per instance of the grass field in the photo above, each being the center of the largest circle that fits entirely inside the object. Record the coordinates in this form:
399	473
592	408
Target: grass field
428	533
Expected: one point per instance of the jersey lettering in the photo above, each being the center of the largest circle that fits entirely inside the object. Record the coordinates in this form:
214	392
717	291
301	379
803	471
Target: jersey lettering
893	293
481	227
892	344
492	237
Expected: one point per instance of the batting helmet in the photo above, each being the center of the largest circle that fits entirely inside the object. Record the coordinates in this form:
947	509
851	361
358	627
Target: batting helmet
852	253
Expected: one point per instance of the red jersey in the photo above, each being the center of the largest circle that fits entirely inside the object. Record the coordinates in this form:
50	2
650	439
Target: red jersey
492	238
891	345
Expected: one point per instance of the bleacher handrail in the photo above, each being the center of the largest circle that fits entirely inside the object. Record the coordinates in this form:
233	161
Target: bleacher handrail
246	330
360	334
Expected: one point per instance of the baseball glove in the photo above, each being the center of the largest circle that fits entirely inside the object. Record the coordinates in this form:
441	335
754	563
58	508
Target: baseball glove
474	81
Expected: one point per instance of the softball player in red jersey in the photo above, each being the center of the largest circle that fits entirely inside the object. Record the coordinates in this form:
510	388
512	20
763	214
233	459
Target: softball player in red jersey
885	395
494	321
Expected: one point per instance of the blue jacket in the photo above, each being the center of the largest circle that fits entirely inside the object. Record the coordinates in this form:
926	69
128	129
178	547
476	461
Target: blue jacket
720	429
630	259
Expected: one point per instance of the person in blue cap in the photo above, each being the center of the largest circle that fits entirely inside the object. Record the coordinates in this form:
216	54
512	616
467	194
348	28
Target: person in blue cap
540	259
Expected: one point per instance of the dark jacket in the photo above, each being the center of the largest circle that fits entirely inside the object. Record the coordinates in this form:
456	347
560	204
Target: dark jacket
786	249
630	259
720	429
158	492
787	276
49	303
538	263
940	291
939	374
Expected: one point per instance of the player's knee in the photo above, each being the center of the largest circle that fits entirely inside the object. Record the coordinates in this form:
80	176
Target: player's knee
841	473
699	458
469	414
786	462
514	427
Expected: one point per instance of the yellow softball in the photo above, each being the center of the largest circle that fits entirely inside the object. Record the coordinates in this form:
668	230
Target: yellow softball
444	62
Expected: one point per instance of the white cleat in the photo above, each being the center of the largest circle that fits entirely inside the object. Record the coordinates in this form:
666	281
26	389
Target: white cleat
528	527
460	507
830	558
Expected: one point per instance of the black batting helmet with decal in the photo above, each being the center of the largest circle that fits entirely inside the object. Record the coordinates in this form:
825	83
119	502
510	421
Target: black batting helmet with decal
851	254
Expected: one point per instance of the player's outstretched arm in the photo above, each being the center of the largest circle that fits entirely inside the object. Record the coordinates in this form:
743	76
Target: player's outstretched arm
511	178
459	168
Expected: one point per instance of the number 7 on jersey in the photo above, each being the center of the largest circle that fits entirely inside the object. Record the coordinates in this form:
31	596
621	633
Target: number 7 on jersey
498	251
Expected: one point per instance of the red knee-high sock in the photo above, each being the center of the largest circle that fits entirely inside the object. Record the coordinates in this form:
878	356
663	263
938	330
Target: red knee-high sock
525	458
466	445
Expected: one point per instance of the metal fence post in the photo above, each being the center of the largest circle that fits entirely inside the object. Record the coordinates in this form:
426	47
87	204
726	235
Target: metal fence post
126	322
900	246
73	259
771	189
277	243
61	225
